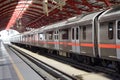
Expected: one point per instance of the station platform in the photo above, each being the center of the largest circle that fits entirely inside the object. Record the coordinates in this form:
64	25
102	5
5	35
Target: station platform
13	68
66	68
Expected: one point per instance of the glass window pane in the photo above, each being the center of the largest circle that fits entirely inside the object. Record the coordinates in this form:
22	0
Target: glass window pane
84	32
118	30
110	30
77	32
73	33
65	34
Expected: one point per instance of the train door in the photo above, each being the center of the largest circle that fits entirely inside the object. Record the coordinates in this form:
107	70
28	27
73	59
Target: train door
40	39
107	41
36	39
75	33
45	39
118	38
86	40
56	39
50	43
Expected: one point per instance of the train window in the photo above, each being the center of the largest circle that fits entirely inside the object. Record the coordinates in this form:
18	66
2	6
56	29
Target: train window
50	35
45	35
64	34
57	35
110	30
84	32
25	38
77	32
32	38
73	33
41	36
118	30
28	38
57	32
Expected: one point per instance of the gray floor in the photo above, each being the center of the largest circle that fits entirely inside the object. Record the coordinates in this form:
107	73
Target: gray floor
8	72
6	69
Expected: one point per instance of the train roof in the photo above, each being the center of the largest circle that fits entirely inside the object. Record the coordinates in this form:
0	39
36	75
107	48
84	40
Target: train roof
81	20
111	14
39	30
28	32
73	19
54	26
86	19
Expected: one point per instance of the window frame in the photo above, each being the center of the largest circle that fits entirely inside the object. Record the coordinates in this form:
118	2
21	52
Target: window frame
39	37
50	35
118	29
73	33
77	33
64	36
110	30
84	29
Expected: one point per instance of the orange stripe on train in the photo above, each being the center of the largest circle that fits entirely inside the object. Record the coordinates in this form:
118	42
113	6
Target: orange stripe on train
117	46
87	45
73	44
107	46
112	46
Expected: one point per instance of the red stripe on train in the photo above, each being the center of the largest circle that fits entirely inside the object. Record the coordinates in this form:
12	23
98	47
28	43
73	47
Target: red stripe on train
87	45
113	46
73	44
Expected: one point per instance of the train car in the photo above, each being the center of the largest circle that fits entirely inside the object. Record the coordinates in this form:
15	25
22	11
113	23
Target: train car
79	37
109	35
16	39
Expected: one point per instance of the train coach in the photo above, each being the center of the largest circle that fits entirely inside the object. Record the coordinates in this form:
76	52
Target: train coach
93	38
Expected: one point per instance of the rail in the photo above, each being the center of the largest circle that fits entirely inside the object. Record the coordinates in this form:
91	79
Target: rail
44	70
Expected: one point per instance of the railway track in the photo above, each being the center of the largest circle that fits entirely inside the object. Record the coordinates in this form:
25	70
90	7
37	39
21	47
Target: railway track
44	70
86	67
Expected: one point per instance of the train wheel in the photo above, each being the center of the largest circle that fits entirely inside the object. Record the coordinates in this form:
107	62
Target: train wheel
117	67
96	61
104	63
92	61
87	60
79	58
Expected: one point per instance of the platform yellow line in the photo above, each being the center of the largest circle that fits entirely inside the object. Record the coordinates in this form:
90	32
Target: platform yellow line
20	76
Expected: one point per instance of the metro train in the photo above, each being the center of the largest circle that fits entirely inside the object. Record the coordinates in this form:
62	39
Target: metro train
92	38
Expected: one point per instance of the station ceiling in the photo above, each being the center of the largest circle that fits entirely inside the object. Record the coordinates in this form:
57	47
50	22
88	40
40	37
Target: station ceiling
24	15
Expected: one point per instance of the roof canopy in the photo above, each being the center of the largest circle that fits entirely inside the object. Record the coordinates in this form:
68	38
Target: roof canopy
27	14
